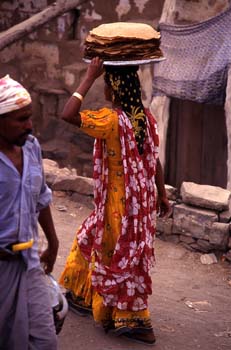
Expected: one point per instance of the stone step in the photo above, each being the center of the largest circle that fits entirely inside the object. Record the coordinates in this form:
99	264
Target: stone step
72	74
33	70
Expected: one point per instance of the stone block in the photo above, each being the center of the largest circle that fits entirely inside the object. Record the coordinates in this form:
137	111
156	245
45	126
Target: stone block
164	225
205	196
171	192
172	238
229	243
72	75
204	245
73	183
52	100
69	52
49	52
64	179
208	259
197	248
218	235
192	221
187	239
228	255
225	216
189	246
33	69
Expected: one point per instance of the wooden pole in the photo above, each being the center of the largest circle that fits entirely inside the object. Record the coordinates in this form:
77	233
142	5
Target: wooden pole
18	31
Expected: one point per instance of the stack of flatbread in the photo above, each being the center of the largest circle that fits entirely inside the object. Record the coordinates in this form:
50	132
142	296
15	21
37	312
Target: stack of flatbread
123	41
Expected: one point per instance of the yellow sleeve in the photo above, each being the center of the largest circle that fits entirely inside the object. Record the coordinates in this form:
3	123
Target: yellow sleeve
98	124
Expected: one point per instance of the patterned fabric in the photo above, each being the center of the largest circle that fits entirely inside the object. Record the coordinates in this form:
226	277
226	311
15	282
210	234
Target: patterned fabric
197	60
13	95
124	283
125	85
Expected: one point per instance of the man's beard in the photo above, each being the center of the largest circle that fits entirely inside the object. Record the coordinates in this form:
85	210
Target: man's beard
22	139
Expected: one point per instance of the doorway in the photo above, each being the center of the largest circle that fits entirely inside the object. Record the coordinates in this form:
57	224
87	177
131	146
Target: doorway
196	148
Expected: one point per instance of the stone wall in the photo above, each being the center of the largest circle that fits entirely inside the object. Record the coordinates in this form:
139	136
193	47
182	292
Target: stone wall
200	218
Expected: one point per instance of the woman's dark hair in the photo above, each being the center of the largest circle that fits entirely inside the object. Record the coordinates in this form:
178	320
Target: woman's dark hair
125	85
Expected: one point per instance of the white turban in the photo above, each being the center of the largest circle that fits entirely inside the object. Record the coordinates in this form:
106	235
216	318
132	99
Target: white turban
13	95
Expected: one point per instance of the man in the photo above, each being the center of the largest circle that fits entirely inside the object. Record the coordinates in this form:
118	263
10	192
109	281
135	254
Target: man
26	319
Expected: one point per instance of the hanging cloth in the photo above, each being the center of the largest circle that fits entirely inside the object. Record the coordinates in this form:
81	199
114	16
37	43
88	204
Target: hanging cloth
197	60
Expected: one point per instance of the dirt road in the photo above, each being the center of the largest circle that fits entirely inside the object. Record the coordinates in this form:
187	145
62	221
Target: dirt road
190	305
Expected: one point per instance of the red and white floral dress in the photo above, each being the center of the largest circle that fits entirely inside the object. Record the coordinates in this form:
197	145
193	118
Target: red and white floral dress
110	260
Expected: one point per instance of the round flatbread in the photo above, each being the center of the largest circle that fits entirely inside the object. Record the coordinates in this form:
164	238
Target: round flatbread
125	30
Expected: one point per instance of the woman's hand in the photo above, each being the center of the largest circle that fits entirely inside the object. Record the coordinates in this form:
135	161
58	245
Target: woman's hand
163	207
71	109
95	68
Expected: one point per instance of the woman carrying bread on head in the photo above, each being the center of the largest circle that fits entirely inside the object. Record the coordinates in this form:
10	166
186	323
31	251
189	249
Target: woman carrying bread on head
108	269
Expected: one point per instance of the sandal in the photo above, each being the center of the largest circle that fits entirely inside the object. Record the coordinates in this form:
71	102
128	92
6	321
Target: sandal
147	338
76	305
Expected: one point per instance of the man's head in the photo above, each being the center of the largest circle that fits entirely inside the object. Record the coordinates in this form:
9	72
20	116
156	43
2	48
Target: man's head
15	113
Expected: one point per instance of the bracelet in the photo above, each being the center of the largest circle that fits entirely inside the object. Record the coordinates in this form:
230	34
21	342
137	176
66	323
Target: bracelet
77	95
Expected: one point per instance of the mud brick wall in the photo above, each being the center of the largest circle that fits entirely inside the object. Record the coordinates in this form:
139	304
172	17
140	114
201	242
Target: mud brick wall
48	62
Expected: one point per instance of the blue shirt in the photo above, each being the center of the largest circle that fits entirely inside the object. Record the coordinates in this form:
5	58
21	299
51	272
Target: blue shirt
21	199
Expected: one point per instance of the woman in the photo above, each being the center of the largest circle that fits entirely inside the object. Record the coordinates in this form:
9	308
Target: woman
108	268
